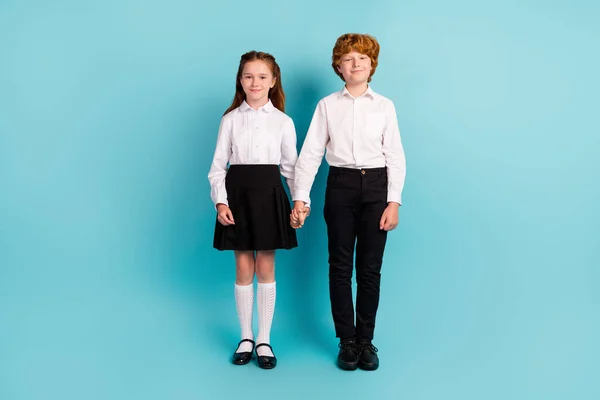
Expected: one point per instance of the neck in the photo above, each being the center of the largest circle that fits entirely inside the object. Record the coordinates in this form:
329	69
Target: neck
357	89
256	104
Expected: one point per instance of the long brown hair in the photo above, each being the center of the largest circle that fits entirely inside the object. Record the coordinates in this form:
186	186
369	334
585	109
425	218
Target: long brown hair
275	93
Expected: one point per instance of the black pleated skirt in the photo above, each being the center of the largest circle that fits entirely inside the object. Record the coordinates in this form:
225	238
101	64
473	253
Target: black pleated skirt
261	211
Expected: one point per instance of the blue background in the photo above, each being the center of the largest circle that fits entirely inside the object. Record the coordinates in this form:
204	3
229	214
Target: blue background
109	287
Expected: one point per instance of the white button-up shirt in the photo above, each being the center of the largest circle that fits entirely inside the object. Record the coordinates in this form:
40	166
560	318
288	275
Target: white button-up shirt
248	136
357	133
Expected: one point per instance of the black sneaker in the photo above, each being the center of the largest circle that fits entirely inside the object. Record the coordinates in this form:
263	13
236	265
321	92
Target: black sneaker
348	355
368	359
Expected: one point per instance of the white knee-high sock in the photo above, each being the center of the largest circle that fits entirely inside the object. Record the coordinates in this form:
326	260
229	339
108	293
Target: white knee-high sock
244	297
266	308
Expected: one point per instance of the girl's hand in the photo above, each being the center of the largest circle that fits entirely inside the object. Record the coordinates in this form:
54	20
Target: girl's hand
299	214
224	215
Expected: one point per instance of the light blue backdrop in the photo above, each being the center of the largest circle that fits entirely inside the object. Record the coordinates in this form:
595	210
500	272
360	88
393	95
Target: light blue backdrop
109	287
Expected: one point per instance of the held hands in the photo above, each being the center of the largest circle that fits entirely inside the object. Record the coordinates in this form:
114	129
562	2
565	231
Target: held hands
224	215
389	218
299	214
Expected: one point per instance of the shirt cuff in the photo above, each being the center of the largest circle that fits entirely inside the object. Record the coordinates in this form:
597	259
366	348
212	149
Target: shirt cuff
221	201
302	195
394	197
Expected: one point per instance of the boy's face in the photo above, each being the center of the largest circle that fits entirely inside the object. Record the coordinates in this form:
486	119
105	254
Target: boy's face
257	79
355	68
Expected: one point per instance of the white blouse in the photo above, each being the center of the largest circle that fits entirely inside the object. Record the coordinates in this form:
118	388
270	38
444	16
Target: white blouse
248	136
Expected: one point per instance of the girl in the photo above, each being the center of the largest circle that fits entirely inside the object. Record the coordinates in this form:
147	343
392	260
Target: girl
255	138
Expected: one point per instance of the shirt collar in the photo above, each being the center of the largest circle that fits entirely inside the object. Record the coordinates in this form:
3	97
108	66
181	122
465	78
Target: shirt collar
369	92
266	108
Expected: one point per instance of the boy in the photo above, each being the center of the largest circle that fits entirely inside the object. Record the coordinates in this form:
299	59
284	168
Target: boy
359	130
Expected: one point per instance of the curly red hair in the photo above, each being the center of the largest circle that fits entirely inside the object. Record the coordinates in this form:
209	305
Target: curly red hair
361	43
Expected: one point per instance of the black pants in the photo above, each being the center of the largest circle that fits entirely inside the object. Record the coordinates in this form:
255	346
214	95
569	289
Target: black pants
354	203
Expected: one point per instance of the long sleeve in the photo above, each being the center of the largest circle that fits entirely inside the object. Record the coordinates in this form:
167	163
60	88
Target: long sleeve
394	156
218	169
311	154
289	154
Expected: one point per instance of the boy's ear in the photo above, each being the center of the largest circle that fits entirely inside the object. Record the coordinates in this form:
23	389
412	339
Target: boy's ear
339	69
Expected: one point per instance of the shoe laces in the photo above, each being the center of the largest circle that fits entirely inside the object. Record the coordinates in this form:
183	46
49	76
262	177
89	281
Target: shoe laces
368	346
349	347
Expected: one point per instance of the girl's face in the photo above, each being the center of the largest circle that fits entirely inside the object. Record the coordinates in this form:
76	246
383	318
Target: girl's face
355	68
256	80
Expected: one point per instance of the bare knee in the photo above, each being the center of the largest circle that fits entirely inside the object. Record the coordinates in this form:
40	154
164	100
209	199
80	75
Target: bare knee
244	267
265	266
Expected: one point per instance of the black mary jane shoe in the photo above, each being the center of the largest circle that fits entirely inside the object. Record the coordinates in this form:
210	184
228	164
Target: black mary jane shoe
266	362
243	358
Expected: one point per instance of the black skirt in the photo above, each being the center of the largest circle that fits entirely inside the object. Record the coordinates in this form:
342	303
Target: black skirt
261	211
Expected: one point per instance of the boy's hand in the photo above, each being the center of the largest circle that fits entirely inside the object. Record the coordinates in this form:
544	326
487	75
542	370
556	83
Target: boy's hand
389	218
224	215
299	214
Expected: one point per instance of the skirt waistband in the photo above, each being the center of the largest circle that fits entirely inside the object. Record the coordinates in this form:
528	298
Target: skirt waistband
253	175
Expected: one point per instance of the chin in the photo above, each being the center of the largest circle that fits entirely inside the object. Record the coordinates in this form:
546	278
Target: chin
356	81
